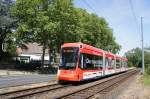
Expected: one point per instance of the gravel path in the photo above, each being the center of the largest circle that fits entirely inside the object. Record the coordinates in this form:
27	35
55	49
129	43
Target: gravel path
136	90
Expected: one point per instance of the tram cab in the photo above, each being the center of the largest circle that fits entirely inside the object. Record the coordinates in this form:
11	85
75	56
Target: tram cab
68	64
79	62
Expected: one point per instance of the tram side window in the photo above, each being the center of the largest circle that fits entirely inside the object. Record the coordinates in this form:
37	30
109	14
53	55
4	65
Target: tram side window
106	62
125	64
113	63
109	63
121	64
98	62
118	64
88	61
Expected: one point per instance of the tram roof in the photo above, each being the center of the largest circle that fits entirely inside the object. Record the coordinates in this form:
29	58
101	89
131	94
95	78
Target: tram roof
109	54
71	45
124	59
86	46
81	45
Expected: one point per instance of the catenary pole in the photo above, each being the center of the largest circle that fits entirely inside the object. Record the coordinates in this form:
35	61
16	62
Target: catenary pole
142	40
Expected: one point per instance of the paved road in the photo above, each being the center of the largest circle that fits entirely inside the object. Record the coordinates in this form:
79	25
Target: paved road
24	79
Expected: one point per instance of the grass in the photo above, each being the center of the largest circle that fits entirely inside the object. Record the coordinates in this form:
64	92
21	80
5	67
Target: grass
146	79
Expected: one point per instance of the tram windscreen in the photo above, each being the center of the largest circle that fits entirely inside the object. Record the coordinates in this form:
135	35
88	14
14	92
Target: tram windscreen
68	58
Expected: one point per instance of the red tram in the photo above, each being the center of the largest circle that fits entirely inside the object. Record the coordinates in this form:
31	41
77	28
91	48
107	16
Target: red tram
81	62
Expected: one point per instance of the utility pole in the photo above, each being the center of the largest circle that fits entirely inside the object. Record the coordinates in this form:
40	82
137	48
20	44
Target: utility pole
142	45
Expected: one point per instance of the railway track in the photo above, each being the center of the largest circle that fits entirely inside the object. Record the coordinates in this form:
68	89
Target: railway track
102	87
31	91
82	92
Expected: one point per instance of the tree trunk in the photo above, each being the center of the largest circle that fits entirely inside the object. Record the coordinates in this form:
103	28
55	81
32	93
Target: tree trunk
43	55
2	37
1	49
49	52
50	58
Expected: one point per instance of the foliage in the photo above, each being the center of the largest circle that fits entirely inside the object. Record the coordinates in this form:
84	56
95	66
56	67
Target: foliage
135	58
95	31
63	13
10	44
33	65
45	22
147	60
6	22
53	22
146	79
148	69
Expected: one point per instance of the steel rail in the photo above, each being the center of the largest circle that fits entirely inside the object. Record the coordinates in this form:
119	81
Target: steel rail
89	91
30	91
109	88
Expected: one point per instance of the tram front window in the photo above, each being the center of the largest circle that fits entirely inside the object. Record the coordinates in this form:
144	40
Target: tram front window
68	58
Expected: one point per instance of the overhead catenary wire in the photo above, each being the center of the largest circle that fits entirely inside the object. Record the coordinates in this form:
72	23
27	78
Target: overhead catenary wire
135	17
142	39
89	6
133	13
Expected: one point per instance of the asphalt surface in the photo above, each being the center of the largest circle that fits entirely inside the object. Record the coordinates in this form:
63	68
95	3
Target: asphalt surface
24	80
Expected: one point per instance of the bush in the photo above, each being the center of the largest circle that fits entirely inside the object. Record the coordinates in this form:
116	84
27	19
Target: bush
6	58
33	65
130	64
146	79
148	69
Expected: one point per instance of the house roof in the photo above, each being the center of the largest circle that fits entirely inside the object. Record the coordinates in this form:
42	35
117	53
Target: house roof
33	48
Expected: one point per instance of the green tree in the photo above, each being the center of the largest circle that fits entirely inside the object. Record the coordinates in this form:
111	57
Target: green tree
63	13
34	24
6	22
134	57
147	60
47	22
51	23
94	30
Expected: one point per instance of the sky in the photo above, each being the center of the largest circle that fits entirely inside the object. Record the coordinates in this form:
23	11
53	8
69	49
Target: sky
124	17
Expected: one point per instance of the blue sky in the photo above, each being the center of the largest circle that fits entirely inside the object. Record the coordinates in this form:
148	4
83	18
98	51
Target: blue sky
119	15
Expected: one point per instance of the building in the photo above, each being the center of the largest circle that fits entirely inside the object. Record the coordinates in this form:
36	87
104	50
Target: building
31	52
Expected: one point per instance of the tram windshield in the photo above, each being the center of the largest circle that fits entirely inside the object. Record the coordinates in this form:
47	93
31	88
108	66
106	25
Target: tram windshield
68	57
